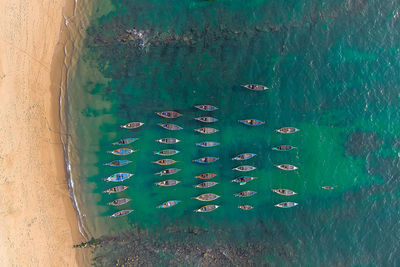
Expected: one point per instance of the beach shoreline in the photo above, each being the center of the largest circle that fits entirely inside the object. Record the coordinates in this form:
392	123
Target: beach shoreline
40	224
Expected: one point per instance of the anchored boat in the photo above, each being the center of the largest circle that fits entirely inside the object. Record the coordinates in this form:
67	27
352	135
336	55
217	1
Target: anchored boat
252	122
207	197
206	130
255	87
121	213
167	152
122	151
328	187
206	184
168	183
168	204
206	176
286	167
206	119
168	140
125	141
244	168
119	201
242	180
119	177
170	126
168	171
287	130
132	125
165	162
169	114
116	189
244	156
206	160
284	192
207	208
245	207
283	148
286	205
118	163
208	144
206	107
247	193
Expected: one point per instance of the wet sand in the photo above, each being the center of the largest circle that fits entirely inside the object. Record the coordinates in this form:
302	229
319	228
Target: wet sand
39	224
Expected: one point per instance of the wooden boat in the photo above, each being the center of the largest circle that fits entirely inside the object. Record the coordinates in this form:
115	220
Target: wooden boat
286	205
119	201
328	187
207	197
255	87
116	189
118	177
252	122
122	151
125	141
244	168
208	144
247	193
206	176
165	162
167	152
207	208
168	204
284	192
206	184
283	148
168	183
244	156
206	119
121	213
287	130
206	160
242	180
168	140
132	125
245	207
118	163
169	114
170	126
286	167
206	107
168	171
206	130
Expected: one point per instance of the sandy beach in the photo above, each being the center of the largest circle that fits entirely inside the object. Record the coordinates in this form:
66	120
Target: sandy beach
39	224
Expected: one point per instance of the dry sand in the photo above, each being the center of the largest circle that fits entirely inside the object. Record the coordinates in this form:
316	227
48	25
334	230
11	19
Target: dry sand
38	223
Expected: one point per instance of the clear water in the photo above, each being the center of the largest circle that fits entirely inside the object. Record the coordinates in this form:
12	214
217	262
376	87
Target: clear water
333	70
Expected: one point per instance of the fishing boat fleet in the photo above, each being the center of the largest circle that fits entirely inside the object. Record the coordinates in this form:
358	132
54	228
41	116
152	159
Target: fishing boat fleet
166	160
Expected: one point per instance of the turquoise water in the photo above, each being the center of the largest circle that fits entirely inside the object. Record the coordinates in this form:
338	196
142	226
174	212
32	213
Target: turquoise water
333	70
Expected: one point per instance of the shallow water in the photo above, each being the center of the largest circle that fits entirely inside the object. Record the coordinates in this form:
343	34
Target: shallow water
332	67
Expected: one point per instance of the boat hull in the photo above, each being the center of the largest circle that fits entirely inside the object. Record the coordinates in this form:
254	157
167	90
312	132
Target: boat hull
119	177
207	144
168	204
245	207
206	130
206	176
252	122
167	152
244	156
284	192
245	168
255	87
243	180
122	151
168	183
207	197
165	162
206	184
168	141
283	148
119	202
207	208
286	205
287	130
287	167
118	163
168	171
206	107
170	126
247	193
125	141
169	114
206	119
132	125
206	160
121	213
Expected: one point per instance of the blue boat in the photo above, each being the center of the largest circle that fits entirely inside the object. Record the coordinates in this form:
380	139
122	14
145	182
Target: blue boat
118	177
125	141
244	156
252	122
118	163
167	152
122	151
206	107
206	160
168	204
206	119
207	144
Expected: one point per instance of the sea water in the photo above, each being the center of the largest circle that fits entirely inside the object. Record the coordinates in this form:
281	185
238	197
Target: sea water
333	72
